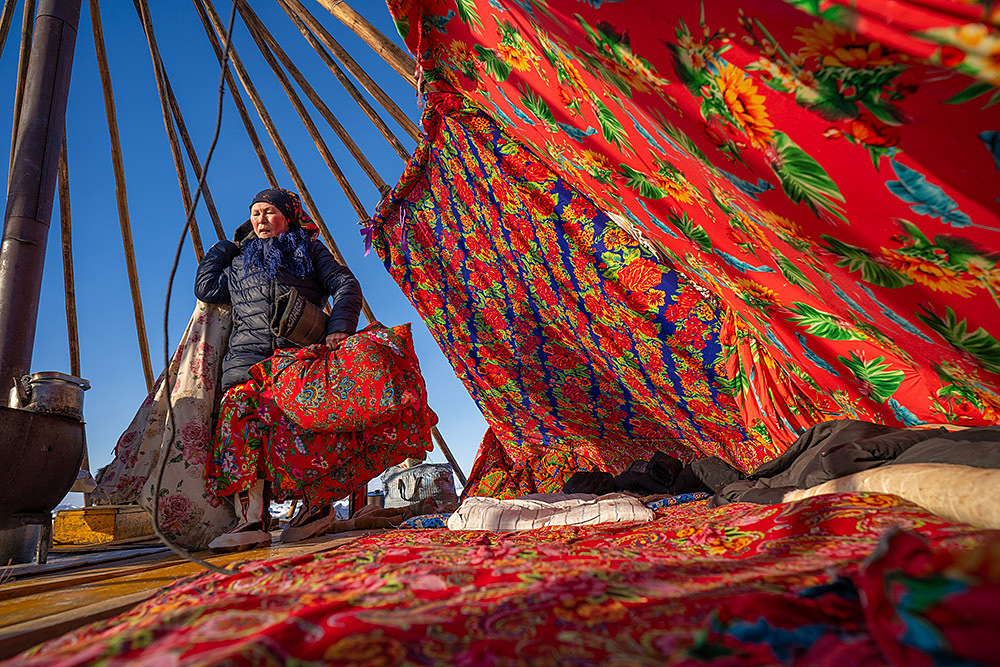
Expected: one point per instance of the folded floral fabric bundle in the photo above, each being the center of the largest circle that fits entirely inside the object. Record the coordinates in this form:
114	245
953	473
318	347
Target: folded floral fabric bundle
367	381
319	423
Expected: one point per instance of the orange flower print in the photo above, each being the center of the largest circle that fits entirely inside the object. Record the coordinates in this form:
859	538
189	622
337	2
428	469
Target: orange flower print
593	160
646	301
756	295
615	238
989	275
520	55
938	278
980	47
639	275
479	125
837	47
870	132
745	105
460	54
674	190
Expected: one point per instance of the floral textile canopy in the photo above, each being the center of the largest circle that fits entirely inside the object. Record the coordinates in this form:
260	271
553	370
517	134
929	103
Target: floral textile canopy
825	172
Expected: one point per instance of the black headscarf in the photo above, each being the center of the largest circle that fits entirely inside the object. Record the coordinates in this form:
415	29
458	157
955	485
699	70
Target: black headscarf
287	202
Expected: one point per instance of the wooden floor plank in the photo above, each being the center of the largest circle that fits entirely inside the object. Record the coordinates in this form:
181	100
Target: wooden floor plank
75	563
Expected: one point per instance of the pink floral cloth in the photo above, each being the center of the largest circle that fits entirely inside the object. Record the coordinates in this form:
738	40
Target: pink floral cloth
189	514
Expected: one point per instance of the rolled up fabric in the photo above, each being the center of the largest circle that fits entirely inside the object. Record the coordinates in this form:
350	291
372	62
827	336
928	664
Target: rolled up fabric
959	493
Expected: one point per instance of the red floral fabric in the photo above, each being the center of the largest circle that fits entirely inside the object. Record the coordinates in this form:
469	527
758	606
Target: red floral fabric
827	168
516	470
577	344
370	380
736	585
319	424
930	607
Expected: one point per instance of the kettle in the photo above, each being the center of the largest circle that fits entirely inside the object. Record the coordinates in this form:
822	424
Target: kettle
50	392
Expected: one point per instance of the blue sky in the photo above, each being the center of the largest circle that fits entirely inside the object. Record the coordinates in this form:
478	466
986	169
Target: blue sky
109	348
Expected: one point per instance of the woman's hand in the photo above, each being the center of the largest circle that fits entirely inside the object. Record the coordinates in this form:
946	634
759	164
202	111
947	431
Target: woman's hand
334	340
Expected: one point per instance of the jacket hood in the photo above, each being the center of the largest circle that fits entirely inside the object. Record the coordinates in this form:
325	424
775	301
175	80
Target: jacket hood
243	233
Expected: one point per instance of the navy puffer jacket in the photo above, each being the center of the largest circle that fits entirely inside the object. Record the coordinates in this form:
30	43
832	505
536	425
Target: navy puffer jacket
222	278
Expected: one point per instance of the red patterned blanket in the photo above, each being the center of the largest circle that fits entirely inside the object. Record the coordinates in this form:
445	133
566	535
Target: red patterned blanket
845	579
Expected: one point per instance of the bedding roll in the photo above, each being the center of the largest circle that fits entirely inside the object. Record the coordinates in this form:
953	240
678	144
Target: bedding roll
959	493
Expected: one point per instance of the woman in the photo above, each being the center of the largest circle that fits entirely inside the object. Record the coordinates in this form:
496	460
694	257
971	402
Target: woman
255	448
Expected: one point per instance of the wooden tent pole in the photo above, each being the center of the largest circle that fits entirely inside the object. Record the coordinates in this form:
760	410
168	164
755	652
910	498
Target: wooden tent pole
448	455
356	70
27	33
5	20
120	194
272	132
193	158
237	98
159	73
346	82
69	283
269	48
398	59
32	184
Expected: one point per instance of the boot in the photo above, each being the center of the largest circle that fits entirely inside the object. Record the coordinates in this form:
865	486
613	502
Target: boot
253	521
309	522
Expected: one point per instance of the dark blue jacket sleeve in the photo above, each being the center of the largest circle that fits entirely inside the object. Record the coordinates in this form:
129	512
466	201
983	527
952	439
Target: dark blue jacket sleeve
211	284
342	286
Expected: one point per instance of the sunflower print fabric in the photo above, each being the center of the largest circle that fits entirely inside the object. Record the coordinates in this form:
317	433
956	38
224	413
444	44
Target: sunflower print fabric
828	170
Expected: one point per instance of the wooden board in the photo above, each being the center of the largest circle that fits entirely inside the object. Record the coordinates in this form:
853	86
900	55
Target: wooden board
39	608
100	524
59	562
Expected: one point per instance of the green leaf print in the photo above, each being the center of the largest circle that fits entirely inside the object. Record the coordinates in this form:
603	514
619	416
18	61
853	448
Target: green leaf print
858	259
826	100
495	66
877	381
403	27
978	343
970	93
467	12
691	78
803	179
684	142
639	182
822	324
793	273
537	106
692	230
834	13
833	108
612	128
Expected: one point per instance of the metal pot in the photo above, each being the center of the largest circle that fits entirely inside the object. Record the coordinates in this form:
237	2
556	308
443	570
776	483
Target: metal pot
50	392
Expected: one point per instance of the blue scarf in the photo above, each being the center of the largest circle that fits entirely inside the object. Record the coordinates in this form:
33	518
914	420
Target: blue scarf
288	251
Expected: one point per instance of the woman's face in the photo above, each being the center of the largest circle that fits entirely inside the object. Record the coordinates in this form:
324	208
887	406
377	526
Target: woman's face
267	220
